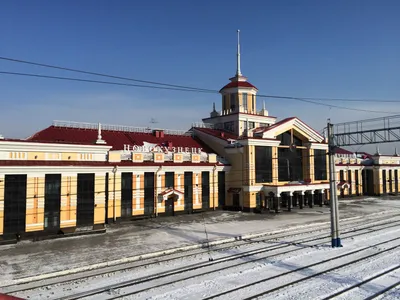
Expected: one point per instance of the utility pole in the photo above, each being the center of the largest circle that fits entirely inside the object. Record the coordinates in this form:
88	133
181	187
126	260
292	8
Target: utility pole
333	192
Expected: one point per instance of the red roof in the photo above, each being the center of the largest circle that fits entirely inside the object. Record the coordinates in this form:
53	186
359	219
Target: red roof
116	139
241	84
343	151
218	133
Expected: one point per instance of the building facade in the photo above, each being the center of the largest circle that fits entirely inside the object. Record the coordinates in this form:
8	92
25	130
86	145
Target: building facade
363	174
78	175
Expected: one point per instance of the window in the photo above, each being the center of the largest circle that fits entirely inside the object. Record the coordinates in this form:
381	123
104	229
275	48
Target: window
290	164
263	164
169	180
229	126
245	101
287	138
233	102
263	125
251	125
320	171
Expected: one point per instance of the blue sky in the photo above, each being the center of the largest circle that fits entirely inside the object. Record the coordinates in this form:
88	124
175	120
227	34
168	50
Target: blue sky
336	49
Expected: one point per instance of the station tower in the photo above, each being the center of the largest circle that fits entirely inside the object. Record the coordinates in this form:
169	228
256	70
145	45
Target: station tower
239	113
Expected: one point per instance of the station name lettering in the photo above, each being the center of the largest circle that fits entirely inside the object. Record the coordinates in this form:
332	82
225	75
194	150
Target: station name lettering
162	149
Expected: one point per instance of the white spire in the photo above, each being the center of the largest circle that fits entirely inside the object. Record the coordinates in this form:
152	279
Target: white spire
377	151
99	137
238	72
263	104
99	132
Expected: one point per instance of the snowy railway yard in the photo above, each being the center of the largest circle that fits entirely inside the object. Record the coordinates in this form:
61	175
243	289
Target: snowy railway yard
286	256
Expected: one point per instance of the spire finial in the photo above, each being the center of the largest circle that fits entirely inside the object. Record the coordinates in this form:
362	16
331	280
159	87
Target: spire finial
213	106
395	152
99	137
238	72
377	150
263	104
99	132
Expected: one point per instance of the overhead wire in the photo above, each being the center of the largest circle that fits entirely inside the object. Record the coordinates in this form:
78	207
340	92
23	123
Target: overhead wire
175	87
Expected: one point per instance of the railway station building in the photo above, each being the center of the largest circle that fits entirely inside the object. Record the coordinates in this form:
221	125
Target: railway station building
75	176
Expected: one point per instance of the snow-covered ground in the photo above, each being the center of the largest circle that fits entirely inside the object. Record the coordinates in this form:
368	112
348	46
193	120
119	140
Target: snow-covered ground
303	240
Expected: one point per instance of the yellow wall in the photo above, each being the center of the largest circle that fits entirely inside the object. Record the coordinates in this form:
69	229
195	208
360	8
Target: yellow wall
65	156
99	199
68	201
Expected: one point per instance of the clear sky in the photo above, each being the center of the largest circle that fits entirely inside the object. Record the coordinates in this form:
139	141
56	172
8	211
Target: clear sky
309	48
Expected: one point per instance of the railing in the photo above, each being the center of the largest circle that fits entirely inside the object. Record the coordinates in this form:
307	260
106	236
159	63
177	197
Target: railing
124	128
202	125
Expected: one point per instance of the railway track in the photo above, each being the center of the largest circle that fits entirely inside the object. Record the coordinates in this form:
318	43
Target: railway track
291	283
227	259
368	280
354	225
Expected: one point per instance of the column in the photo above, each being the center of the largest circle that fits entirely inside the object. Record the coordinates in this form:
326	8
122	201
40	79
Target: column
301	199
290	200
321	198
310	198
277	200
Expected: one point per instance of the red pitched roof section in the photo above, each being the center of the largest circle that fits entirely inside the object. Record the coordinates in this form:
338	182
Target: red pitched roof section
116	139
218	133
241	84
343	151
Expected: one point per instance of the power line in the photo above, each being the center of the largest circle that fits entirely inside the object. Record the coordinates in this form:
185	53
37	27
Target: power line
331	105
186	87
101	74
101	82
188	90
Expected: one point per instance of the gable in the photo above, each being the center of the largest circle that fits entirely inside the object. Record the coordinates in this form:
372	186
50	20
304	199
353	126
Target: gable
300	130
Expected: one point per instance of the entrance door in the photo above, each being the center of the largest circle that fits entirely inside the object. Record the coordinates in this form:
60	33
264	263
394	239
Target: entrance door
126	195
236	200
148	193
14	204
341	178
396	181
384	181
52	199
390	182
188	196
85	200
170	206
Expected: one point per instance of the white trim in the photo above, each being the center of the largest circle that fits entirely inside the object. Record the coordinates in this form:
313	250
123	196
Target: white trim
260	142
51	147
313	135
39	171
232	90
34	225
317	146
67	221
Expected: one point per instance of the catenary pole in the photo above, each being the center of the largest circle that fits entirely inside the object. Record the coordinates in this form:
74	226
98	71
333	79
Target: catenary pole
332	187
